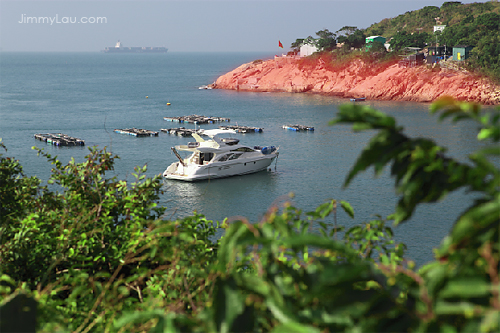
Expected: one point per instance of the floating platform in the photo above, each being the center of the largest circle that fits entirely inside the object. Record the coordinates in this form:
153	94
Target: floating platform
360	99
196	119
180	131
242	129
298	128
59	139
136	132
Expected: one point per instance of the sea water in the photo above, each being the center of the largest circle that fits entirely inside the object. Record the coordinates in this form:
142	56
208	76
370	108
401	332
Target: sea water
88	95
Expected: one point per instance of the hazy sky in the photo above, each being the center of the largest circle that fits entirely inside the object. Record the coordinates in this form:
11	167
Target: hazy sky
184	26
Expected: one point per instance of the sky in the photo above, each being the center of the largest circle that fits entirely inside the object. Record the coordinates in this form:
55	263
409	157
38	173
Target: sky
184	26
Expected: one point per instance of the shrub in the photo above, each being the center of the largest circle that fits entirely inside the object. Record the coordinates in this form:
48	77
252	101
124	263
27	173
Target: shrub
98	256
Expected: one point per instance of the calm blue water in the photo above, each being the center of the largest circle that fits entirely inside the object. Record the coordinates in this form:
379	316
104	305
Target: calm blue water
88	95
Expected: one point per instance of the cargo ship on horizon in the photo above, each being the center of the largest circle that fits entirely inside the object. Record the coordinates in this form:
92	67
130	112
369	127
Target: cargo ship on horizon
118	48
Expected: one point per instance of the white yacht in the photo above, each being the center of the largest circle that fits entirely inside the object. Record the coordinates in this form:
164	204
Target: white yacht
218	157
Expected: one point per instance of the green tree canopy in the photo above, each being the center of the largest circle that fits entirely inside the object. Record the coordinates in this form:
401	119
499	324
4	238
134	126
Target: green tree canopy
297	44
346	30
352	37
404	39
326	41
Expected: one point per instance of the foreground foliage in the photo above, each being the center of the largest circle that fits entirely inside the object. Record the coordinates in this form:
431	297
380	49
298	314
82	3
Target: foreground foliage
97	255
99	246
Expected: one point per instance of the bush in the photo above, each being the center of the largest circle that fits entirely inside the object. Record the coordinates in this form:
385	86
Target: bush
98	256
100	247
301	281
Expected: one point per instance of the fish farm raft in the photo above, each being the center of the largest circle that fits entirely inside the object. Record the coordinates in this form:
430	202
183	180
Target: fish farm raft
180	131
195	119
298	128
136	132
59	139
243	129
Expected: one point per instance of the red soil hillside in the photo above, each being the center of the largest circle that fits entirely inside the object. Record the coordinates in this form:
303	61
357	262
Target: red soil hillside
359	79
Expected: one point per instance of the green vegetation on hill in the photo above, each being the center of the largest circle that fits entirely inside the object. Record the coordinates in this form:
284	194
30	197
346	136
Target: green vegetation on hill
343	46
424	20
98	254
475	24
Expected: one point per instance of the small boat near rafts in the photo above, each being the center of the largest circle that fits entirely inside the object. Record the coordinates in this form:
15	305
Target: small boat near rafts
358	99
218	157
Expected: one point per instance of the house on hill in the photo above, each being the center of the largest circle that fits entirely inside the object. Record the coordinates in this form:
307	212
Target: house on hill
308	47
307	50
439	51
461	52
413	60
372	39
439	28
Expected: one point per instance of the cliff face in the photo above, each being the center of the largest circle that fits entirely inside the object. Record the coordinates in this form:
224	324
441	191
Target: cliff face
358	79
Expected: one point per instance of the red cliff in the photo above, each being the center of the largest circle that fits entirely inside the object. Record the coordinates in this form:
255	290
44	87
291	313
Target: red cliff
360	79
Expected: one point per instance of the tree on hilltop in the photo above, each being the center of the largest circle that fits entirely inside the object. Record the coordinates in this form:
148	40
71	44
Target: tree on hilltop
295	46
326	41
489	21
403	39
346	30
429	11
352	37
449	4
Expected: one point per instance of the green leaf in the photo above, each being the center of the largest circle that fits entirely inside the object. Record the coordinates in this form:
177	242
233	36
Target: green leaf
7	279
165	321
466	287
476	220
347	208
491	322
455	308
292	327
228	305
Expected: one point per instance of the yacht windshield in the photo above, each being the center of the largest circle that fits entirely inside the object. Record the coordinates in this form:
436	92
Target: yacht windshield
224	158
244	149
234	156
206	157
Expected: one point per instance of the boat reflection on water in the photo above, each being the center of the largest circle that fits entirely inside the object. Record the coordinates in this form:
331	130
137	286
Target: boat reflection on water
226	197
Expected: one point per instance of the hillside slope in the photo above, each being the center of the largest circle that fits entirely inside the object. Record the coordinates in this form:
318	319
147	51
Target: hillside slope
359	79
424	19
474	24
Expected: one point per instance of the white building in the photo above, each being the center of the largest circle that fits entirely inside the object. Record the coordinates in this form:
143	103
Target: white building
307	50
439	28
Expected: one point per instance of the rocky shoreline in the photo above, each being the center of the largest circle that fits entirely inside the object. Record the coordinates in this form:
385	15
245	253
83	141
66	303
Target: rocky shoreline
359	79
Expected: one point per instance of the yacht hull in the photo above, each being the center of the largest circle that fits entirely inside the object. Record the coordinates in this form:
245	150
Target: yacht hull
217	170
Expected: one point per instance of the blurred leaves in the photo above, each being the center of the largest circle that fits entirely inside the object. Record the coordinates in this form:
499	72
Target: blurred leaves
97	254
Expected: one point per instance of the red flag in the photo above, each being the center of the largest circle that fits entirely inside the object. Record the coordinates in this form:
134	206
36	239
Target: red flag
279	44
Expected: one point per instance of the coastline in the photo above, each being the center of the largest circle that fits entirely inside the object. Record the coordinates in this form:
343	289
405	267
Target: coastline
359	79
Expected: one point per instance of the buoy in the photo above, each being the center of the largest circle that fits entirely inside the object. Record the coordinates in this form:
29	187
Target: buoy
147	97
